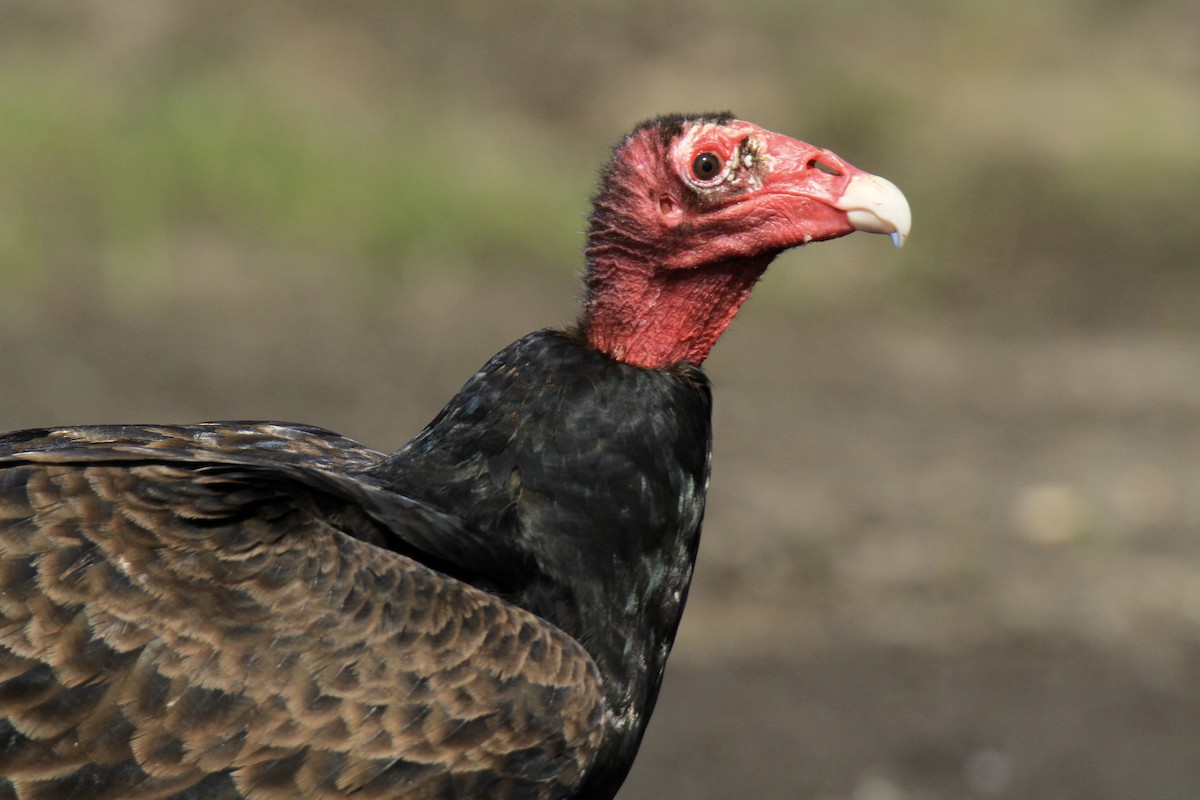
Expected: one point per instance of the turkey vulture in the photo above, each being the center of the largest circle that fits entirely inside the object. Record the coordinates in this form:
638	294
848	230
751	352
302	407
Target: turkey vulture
264	610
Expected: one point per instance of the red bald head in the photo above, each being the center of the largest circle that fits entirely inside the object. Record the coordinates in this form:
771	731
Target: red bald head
690	212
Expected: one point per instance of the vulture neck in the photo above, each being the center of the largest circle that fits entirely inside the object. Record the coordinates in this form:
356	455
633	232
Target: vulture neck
653	317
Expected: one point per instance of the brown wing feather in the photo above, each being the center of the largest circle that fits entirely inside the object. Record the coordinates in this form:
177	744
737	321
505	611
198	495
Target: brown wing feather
190	630
311	457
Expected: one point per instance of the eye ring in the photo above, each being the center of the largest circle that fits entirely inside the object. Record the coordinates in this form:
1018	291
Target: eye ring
707	167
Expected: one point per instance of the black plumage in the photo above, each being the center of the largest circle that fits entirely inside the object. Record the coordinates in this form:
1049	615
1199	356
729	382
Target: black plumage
238	527
261	610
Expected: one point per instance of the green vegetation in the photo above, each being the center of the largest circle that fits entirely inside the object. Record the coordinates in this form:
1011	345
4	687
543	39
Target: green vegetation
1048	149
97	175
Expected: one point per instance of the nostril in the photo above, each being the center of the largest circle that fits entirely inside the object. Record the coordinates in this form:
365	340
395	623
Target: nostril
821	165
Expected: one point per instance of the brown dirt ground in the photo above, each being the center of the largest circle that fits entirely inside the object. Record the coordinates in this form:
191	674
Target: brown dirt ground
938	562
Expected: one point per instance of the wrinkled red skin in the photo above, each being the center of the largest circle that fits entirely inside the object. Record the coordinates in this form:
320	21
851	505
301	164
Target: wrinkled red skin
672	258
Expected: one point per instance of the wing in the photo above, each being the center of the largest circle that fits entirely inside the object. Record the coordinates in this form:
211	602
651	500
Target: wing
195	626
307	455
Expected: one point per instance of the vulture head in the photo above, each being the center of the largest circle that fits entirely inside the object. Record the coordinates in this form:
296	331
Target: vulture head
689	213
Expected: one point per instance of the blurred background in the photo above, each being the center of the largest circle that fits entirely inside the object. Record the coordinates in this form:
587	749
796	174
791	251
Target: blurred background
953	541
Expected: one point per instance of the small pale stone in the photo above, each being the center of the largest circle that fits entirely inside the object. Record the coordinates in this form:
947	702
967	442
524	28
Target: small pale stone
1053	514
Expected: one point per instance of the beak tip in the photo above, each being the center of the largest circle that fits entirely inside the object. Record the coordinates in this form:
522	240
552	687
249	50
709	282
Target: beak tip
875	205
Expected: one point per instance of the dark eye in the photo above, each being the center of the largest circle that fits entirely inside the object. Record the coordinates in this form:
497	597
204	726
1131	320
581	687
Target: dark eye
706	166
